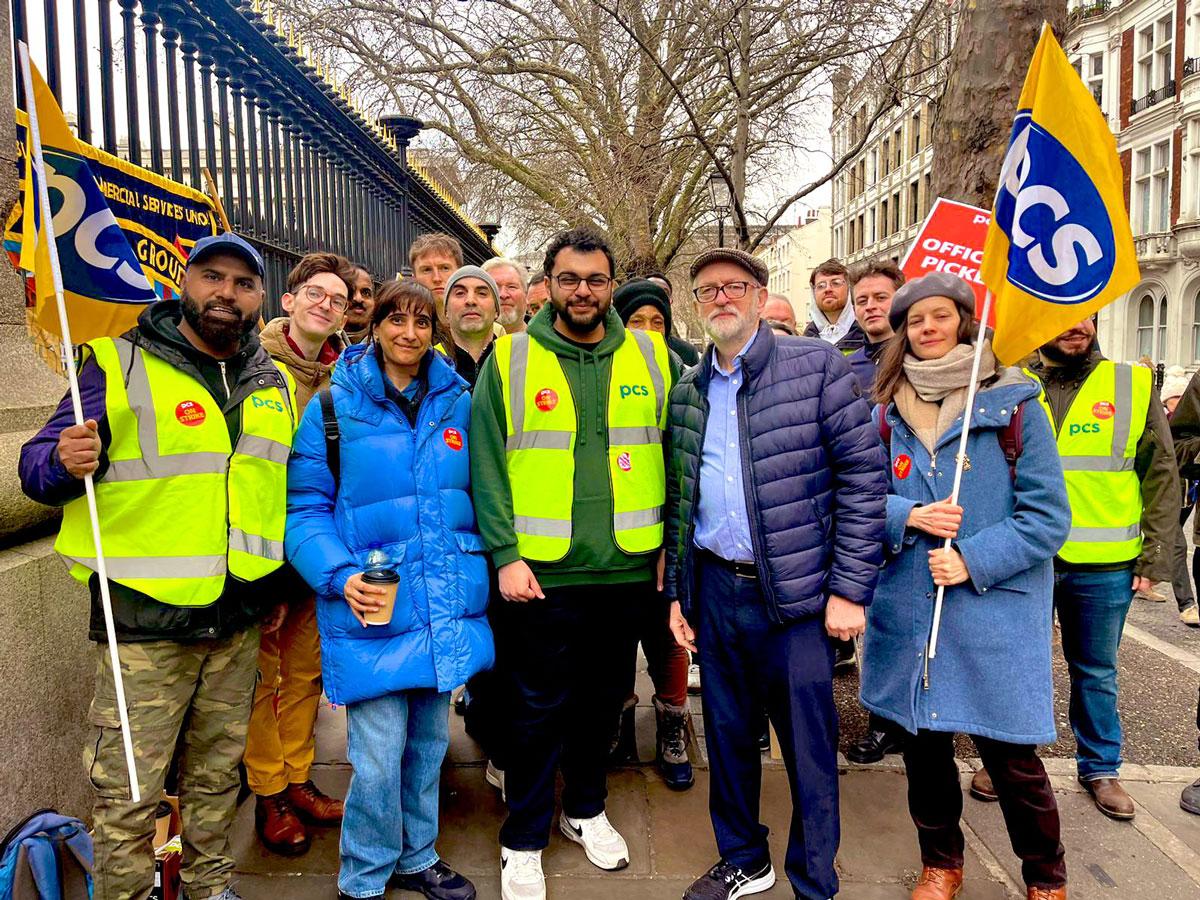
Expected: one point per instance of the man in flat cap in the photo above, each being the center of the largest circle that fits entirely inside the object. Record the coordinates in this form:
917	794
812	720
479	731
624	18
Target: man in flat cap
775	527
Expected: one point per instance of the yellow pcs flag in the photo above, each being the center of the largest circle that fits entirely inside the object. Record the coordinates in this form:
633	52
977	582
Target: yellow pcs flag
1059	246
104	285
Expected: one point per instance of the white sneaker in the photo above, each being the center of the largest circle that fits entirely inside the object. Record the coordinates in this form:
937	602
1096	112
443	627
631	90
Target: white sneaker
601	842
521	876
693	684
495	777
1190	616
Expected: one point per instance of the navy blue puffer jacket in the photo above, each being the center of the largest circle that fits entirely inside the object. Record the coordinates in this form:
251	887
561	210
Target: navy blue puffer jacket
814	471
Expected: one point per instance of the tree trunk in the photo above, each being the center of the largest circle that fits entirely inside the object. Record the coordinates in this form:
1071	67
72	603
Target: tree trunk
995	43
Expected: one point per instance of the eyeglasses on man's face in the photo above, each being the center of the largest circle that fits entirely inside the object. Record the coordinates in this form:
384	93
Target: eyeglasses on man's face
316	295
734	290
831	283
569	281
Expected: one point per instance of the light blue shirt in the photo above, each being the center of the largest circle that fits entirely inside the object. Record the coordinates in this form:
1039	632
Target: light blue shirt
722	526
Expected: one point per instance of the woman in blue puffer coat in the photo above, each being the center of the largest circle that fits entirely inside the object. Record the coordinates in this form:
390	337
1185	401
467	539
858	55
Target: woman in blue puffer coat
403	502
991	675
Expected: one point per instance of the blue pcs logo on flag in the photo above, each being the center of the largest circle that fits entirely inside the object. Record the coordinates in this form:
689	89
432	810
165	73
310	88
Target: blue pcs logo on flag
1061	240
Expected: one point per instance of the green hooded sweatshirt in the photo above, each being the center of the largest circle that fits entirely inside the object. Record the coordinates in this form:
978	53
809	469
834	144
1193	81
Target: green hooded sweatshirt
594	557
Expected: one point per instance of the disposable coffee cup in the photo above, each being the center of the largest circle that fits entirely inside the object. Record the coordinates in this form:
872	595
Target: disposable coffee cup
389	580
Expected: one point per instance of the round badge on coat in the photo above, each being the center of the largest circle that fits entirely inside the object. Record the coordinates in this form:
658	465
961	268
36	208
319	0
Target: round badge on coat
189	412
546	400
1104	410
453	438
624	462
902	465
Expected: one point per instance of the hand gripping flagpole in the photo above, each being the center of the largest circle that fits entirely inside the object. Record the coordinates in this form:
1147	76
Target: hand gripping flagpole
35	153
961	459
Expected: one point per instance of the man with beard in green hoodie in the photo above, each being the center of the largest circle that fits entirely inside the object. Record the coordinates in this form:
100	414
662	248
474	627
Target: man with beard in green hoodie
568	476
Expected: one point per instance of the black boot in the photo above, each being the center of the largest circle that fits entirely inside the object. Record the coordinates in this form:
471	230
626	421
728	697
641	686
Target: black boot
623	748
884	737
672	741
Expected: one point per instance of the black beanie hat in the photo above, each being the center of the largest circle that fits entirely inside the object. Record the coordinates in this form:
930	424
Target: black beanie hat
633	295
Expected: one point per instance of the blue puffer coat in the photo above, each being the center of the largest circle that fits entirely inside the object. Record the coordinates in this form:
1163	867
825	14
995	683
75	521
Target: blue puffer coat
991	675
408	492
812	469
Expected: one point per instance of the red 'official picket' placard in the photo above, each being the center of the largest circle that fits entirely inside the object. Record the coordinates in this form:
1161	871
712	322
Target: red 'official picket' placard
951	241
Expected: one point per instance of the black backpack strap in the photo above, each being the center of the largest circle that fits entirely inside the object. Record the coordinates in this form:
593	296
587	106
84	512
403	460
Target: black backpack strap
1012	439
333	447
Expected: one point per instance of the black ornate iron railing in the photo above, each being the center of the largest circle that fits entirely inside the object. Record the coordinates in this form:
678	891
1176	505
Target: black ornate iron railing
1191	66
1094	9
189	84
1152	98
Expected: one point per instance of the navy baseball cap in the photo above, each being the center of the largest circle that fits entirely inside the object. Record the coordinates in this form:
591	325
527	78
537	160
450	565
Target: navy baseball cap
230	244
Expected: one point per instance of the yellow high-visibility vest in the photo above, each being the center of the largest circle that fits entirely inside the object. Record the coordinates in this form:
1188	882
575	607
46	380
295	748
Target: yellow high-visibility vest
179	506
1097	442
540	416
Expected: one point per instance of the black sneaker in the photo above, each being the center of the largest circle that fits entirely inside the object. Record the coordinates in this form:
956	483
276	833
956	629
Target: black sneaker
1189	800
438	882
725	881
843	656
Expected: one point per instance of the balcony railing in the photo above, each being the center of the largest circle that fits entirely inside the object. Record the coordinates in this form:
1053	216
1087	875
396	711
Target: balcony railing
1152	98
1093	9
1191	66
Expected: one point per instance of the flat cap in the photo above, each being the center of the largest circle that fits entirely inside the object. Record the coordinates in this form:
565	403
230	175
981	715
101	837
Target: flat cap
752	264
935	284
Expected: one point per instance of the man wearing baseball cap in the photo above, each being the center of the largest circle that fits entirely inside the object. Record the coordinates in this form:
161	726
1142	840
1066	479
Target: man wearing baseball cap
188	427
775	527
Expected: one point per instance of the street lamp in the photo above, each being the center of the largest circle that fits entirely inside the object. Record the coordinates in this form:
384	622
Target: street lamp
722	202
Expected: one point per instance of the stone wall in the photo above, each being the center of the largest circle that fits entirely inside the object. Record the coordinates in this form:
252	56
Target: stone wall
46	660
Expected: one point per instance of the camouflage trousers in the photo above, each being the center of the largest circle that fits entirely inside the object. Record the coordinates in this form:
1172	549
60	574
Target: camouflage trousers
199	696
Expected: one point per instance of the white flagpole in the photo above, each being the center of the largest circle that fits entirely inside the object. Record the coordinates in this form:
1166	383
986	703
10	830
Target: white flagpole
962	458
34	142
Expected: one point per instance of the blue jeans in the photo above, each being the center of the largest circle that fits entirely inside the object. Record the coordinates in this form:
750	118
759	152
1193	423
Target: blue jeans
396	746
1091	613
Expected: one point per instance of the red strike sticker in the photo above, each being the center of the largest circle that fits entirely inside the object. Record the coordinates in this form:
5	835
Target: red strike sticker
546	400
624	462
453	438
902	465
189	412
1104	410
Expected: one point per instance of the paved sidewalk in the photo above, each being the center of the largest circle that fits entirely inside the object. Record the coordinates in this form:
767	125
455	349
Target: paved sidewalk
1157	857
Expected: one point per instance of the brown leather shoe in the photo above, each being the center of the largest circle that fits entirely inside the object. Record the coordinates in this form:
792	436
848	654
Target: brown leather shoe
1036	893
278	826
982	787
938	884
1111	799
312	806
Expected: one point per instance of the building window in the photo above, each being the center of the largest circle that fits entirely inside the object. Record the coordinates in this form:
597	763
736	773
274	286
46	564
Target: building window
1152	188
1154	55
898	147
884	221
887	156
1196	328
928	193
914	134
896	211
873	168
871	225
914	202
1152	327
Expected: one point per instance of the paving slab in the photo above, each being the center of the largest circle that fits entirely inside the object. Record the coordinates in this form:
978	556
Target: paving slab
1105	859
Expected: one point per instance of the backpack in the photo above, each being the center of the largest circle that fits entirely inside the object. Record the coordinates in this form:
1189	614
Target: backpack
333	434
46	856
1012	441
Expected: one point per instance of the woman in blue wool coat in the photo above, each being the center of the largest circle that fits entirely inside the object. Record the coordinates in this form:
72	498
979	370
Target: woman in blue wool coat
403	498
991	675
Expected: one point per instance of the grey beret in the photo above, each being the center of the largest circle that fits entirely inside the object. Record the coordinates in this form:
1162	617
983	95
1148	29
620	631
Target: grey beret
752	264
935	284
473	272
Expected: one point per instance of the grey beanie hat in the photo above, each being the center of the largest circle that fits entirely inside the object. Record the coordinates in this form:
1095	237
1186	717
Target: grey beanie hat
472	272
935	284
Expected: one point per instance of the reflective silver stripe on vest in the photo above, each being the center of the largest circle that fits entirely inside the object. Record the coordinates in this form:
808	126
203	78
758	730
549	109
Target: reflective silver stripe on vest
199	463
1099	535
646	345
638	518
535	526
539	440
255	545
517	367
635	434
1096	463
134	567
1123	419
263	448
